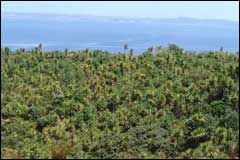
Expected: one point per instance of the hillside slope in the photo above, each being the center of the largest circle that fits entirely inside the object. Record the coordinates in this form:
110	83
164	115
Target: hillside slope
94	104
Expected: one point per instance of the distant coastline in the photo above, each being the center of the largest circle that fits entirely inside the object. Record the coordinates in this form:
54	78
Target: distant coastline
76	32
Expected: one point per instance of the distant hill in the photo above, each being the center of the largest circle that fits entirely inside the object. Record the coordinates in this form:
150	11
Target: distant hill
82	17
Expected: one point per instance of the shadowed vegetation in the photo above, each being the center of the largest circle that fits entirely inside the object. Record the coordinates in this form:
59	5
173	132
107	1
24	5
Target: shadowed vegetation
164	103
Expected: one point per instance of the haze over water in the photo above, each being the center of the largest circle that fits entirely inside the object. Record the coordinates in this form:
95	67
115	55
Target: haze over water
56	33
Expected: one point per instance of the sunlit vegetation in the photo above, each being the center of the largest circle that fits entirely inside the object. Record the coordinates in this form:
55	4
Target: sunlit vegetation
164	103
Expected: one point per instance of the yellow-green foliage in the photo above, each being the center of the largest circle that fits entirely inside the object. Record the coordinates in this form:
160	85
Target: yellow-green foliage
95	104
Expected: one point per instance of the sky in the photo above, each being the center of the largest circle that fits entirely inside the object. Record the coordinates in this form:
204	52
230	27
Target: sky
228	10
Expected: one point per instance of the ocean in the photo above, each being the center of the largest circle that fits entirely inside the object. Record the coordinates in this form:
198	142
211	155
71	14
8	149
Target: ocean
111	35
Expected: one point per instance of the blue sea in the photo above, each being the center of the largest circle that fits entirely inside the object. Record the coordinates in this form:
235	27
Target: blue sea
110	35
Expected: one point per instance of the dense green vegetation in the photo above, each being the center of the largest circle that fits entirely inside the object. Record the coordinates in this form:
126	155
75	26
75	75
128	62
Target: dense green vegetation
94	104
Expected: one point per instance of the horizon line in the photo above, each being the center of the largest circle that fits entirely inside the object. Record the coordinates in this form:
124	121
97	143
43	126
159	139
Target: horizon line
127	17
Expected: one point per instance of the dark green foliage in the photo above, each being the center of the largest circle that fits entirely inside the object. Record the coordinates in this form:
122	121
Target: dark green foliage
230	120
175	48
164	103
86	117
48	120
218	108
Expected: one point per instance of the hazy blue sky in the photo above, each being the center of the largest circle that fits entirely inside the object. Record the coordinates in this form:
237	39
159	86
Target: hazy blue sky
162	9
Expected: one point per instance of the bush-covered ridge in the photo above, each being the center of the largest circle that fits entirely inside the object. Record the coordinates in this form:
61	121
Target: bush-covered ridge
94	104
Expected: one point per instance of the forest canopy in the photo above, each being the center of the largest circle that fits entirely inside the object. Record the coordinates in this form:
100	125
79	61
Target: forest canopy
163	103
